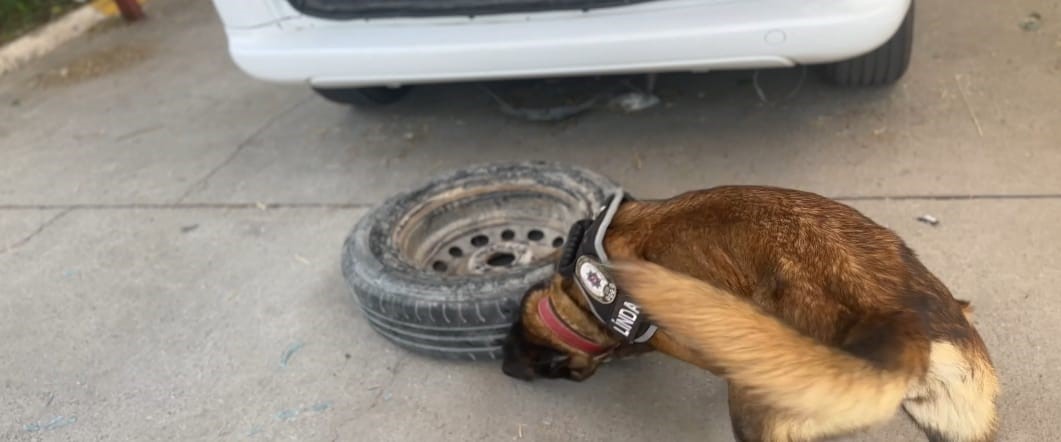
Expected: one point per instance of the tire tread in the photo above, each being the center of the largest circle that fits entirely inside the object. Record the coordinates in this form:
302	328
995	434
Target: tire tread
882	66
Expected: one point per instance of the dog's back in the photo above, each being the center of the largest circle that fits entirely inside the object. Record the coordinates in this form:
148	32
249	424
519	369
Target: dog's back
822	320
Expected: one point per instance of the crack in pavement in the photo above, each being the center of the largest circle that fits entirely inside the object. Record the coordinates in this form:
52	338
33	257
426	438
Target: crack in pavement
184	206
354	206
201	182
394	369
950	197
35	232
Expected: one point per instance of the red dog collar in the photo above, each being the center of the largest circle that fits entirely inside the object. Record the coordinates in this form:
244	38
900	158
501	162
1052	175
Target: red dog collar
563	331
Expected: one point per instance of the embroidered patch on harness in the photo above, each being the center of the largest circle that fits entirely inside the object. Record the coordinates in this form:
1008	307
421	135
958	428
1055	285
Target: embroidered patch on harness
594	282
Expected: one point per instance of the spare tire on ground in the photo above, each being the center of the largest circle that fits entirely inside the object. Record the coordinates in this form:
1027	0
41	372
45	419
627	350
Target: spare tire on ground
440	270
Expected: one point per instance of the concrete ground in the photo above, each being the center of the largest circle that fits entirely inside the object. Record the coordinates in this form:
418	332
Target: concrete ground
145	294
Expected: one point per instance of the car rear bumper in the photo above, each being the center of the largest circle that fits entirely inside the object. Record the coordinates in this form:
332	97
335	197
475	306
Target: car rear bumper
667	35
354	9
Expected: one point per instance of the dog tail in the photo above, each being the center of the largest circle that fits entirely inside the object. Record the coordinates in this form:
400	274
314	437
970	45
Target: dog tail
773	363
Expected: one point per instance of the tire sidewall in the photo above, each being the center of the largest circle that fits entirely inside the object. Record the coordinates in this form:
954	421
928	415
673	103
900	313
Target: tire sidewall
385	285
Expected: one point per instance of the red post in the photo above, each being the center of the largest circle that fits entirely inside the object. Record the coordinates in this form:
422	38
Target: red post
131	10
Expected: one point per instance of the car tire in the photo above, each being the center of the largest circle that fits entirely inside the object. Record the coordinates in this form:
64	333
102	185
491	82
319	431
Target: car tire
883	66
364	97
458	310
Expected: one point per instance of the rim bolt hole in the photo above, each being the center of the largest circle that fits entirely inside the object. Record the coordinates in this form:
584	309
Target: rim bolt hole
558	241
535	235
507	235
439	266
456	252
480	240
501	260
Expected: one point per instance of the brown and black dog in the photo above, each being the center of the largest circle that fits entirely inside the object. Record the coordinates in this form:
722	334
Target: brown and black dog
822	321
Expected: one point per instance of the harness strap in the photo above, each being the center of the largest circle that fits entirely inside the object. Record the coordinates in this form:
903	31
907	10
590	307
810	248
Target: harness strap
585	259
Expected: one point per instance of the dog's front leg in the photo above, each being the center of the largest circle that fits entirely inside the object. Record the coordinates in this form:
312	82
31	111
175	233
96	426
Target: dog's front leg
746	418
667	345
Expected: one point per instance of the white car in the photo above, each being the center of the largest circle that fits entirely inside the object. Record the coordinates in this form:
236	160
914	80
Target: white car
369	51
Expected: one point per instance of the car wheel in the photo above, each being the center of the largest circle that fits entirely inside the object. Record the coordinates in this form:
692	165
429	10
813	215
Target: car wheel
441	270
883	66
364	97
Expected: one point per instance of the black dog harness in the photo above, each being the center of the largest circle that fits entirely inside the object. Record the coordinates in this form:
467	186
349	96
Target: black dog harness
584	259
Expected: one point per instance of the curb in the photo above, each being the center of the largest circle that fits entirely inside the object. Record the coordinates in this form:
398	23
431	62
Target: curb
54	34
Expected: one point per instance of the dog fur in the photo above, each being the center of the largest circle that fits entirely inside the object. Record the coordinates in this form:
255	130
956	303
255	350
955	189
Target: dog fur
821	321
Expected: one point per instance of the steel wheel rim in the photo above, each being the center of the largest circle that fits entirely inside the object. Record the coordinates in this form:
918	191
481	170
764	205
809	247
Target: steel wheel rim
488	230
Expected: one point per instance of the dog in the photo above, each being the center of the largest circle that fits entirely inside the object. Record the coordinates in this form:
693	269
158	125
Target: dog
821	321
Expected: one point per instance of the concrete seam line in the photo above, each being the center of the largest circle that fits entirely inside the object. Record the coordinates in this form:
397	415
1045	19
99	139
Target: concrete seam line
187	206
54	34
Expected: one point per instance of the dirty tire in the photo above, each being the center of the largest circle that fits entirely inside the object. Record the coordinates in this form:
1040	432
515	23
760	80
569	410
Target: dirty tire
364	97
883	66
455	316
